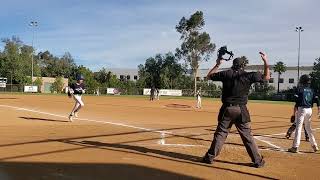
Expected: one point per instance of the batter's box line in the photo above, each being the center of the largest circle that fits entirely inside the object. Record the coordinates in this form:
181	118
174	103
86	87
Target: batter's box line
278	148
162	133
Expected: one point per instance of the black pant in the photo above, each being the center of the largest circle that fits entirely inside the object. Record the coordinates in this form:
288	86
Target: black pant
229	116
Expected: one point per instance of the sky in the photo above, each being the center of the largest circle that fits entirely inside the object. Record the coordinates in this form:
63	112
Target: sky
124	33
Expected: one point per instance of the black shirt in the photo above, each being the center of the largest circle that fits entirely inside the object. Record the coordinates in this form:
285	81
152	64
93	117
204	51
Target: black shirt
77	88
236	85
305	97
152	91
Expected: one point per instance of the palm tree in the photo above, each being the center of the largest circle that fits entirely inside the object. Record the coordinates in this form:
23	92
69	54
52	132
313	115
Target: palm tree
280	68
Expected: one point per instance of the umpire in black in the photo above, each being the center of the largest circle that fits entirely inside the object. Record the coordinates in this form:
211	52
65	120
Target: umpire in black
236	86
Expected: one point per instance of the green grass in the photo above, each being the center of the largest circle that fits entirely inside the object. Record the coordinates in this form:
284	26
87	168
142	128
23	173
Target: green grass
204	98
147	97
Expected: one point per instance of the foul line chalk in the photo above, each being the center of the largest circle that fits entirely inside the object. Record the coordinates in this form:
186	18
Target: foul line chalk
269	143
162	133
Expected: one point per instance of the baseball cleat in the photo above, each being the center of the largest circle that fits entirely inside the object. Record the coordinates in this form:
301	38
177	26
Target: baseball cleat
260	165
315	148
71	118
208	159
293	150
287	136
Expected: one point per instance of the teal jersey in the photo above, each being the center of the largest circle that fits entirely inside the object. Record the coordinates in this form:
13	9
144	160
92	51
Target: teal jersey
305	97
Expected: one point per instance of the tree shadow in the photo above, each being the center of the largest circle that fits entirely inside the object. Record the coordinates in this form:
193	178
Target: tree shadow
177	106
8	98
174	156
42	119
103	135
83	171
153	151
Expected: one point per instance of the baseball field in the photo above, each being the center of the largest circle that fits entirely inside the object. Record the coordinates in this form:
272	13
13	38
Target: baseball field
119	137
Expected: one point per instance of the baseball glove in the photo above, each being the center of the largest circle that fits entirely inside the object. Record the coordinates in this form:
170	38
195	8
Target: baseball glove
292	119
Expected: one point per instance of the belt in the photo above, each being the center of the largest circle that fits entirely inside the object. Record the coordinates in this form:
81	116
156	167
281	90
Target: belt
306	107
231	105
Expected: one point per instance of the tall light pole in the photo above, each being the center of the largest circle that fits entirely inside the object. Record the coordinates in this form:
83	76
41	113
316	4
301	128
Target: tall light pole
33	24
299	30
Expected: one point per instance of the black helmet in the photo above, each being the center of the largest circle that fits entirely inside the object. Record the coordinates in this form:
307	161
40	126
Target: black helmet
80	77
305	79
239	63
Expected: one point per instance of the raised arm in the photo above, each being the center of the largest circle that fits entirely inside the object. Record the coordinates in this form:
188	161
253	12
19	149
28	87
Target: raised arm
215	68
266	66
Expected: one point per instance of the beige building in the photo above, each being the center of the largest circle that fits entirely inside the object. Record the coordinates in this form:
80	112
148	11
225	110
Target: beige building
47	83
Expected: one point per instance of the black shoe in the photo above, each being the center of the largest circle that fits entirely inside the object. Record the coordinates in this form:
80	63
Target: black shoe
293	150
259	165
287	136
208	159
315	148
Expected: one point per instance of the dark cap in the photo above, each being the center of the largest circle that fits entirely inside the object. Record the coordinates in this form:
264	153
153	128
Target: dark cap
80	77
239	63
305	79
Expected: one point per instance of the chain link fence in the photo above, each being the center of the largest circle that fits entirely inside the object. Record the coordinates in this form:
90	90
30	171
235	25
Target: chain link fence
14	88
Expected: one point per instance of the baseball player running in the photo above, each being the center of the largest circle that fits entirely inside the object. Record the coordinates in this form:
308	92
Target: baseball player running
152	93
305	97
76	90
236	85
198	95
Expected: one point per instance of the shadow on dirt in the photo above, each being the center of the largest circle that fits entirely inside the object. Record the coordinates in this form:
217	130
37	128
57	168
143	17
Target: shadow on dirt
82	171
177	106
173	156
42	119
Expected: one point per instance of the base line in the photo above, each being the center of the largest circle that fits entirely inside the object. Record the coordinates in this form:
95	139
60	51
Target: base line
162	133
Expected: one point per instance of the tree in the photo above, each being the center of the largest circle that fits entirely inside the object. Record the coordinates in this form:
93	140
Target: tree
280	68
15	61
315	75
150	72
38	82
171	71
103	76
161	71
57	86
52	66
245	59
196	45
141	83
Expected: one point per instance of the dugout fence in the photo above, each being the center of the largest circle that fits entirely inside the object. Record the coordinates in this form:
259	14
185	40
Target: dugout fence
14	88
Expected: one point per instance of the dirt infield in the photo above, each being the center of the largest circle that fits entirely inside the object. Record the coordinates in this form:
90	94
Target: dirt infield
132	138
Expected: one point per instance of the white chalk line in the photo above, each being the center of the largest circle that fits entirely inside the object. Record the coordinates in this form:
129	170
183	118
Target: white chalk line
162	133
259	138
269	143
160	142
